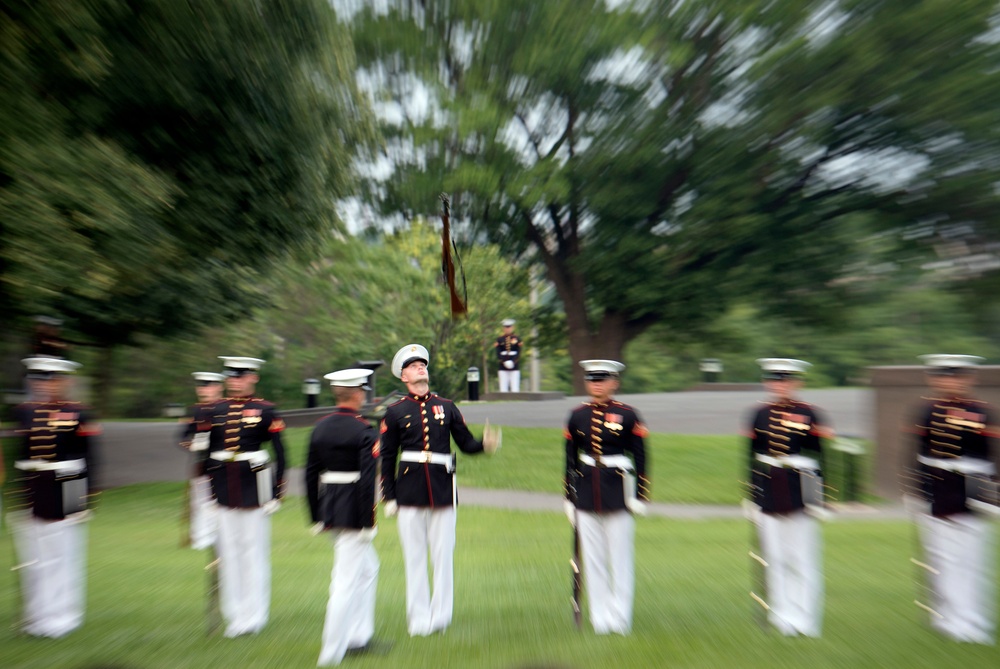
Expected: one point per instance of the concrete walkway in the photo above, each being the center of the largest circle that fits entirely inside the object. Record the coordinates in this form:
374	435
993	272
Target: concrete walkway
709	412
539	501
144	452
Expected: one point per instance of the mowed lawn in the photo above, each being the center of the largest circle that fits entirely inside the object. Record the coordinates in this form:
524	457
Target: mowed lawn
685	469
146	599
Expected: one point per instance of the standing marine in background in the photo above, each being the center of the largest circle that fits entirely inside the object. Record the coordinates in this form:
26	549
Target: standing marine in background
786	495
418	482
202	525
247	490
606	481
955	450
341	477
508	347
50	534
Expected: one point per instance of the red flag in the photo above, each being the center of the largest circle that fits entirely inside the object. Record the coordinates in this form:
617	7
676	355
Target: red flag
458	307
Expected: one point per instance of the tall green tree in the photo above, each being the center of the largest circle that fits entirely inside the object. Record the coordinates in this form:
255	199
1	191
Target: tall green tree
169	154
362	298
357	298
663	158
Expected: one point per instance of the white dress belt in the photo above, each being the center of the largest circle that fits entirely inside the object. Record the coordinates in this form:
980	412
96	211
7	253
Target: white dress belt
427	457
787	461
610	461
960	465
62	466
340	477
254	457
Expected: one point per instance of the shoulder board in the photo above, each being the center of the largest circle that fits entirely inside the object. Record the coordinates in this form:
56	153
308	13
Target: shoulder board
262	402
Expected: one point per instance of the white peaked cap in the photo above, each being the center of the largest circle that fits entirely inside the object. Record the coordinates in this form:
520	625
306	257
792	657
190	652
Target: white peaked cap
233	362
349	378
210	377
949	360
46	364
508	322
784	365
407	354
601	367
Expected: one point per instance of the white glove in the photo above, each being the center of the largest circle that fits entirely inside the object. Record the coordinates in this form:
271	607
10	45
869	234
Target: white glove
200	442
508	364
818	512
368	533
80	516
270	506
317	528
391	508
750	509
637	507
570	511
492	438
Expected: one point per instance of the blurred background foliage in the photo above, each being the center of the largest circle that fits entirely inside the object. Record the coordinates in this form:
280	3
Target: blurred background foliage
728	179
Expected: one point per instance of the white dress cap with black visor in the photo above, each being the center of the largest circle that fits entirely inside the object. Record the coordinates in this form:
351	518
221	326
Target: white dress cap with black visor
349	378
947	364
236	366
777	369
597	370
206	378
407	355
508	322
42	367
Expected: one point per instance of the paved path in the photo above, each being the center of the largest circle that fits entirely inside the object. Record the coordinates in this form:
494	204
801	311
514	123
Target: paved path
147	452
538	501
708	412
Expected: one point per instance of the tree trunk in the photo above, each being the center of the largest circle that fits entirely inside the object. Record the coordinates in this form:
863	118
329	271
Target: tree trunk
584	344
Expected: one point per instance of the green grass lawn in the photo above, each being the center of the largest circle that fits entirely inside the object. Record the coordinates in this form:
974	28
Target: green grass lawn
145	605
685	469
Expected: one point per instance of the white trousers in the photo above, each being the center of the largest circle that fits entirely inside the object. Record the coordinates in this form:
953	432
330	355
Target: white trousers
791	545
607	541
350	613
244	548
510	380
52	557
204	514
422	531
961	548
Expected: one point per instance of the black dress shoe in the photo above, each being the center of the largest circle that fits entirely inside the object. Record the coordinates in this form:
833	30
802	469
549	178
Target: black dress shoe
373	647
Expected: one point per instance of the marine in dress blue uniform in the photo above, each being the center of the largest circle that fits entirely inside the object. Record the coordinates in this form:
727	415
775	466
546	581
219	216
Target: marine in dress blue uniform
955	436
194	437
341	477
606	481
418	481
508	349
247	488
785	451
50	533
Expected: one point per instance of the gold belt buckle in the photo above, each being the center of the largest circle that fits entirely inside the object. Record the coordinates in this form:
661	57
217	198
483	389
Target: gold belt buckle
425	457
